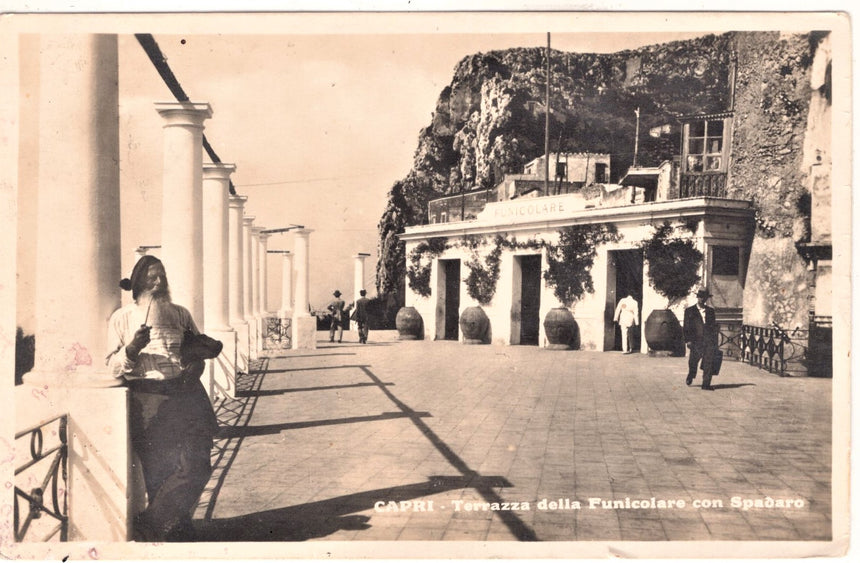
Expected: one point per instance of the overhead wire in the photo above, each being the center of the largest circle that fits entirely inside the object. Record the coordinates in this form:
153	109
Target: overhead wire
159	61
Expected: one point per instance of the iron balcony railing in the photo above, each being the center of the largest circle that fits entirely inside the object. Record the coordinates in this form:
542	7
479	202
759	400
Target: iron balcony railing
703	185
49	496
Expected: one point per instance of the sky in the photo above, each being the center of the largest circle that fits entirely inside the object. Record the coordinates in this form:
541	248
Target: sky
319	127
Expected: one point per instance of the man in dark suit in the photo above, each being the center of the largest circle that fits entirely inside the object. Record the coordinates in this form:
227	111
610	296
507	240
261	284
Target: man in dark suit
702	337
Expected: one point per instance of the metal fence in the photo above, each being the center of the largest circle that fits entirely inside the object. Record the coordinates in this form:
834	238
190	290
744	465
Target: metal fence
39	491
773	349
277	333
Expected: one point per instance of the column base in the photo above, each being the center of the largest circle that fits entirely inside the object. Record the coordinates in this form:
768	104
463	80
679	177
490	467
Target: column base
243	346
253	337
222	370
304	333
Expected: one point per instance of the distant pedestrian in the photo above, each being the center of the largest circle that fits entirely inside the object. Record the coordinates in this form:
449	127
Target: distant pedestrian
335	308
701	334
360	316
627	317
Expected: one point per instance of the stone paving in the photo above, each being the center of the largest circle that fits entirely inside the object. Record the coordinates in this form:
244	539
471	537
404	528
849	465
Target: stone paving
422	440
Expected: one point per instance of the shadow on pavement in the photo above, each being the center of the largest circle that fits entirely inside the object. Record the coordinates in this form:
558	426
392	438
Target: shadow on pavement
293	356
319	519
731	385
247	430
322	518
273	392
330	345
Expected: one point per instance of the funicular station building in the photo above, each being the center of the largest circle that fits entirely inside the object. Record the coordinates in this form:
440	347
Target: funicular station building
731	191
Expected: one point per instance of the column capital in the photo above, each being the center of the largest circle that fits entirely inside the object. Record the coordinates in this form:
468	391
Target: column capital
362	255
303	232
238	201
248	220
184	114
217	170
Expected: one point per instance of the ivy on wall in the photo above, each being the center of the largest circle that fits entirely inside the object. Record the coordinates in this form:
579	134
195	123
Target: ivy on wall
483	271
569	262
421	264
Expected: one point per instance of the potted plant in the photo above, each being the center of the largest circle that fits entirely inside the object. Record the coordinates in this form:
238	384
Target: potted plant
568	273
481	286
673	270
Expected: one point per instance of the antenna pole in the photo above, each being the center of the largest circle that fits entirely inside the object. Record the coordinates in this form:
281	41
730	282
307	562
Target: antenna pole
546	122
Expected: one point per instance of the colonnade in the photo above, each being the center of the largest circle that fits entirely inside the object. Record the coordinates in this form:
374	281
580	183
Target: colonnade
216	256
207	246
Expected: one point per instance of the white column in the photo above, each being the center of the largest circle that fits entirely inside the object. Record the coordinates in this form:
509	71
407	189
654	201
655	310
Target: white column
78	267
304	325
78	251
248	285
255	271
262	239
247	267
358	278
236	303
216	193
257	328
236	274
182	207
286	310
216	178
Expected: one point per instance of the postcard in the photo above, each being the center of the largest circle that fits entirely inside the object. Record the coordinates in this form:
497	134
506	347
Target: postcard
478	284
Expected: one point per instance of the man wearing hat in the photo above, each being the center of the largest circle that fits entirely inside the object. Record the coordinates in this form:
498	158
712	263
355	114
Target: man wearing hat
360	316
171	420
702	337
336	309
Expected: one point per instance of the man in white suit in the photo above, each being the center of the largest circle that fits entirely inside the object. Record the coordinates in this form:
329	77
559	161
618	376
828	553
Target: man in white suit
627	317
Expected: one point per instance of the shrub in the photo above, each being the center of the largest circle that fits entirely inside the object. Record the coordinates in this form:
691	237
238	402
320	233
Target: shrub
673	263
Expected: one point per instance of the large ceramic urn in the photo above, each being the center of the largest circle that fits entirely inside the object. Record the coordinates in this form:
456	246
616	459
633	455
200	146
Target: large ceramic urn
474	325
663	331
560	328
410	325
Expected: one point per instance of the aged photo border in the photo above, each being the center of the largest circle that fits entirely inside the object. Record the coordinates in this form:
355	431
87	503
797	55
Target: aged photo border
13	27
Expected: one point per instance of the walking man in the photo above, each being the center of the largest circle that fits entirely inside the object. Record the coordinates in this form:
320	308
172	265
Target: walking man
336	309
627	317
171	420
360	316
702	338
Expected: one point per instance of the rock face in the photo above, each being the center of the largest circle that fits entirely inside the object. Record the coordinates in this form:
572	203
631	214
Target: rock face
489	121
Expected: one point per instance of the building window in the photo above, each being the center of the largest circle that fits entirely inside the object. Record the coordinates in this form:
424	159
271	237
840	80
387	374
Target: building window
705	145
443	218
726	261
600	175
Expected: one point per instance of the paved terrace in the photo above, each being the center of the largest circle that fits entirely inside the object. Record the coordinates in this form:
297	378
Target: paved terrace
317	438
